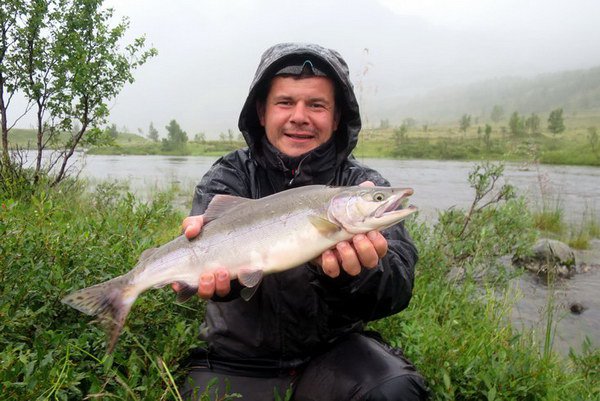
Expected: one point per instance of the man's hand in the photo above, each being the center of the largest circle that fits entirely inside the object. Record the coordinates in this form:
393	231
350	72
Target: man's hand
216	282
361	251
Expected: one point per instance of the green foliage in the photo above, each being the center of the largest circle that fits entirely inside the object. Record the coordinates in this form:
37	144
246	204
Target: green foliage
487	137
67	58
465	122
112	131
532	124
593	139
457	328
549	220
497	113
516	125
176	138
400	135
152	133
62	238
556	123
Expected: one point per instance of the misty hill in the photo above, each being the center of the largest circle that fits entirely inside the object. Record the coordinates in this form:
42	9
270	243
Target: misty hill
575	91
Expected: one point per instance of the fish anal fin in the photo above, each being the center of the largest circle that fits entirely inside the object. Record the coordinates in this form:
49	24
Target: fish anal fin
186	291
250	277
324	226
222	204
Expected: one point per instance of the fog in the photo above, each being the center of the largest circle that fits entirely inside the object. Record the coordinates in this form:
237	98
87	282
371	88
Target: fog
209	49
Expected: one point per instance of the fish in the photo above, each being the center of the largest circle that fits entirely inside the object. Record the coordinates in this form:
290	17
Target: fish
250	238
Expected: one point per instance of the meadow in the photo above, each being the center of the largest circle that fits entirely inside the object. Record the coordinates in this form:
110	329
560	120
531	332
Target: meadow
456	329
436	141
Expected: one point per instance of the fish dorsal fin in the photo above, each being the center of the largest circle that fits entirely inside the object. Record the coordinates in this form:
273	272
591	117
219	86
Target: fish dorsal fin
221	204
324	226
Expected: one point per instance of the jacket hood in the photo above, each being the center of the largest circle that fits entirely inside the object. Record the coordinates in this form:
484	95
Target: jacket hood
277	57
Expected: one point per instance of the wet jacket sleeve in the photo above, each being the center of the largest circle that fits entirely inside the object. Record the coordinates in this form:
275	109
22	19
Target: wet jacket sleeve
378	292
225	177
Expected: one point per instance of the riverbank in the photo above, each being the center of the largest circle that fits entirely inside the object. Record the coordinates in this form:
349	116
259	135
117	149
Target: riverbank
60	239
578	145
565	150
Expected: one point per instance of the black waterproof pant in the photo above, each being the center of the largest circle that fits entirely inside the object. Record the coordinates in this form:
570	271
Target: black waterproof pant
357	368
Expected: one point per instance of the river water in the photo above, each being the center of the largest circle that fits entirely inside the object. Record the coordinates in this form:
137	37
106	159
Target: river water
438	185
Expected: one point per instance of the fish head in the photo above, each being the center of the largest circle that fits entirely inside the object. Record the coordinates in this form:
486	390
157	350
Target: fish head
362	209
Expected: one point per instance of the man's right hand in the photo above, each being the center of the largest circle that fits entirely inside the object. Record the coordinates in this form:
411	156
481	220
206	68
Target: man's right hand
217	282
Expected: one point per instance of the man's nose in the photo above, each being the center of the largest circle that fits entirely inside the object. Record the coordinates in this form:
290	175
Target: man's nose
299	114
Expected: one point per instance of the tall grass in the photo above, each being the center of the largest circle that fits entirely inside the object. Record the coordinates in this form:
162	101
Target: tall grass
56	240
59	239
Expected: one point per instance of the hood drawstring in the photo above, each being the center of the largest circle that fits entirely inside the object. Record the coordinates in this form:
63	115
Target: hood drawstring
296	172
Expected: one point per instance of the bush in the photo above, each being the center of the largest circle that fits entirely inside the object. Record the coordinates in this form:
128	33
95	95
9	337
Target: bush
61	239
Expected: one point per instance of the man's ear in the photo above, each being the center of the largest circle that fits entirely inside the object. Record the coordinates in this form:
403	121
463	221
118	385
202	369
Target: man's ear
260	111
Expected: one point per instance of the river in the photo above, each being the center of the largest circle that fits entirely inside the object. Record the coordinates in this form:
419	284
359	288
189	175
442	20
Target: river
438	185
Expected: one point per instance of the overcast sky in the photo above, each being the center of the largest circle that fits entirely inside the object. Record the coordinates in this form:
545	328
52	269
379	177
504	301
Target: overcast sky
209	49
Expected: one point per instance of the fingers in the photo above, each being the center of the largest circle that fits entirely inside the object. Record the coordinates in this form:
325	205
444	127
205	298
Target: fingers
363	251
379	243
348	258
192	225
222	282
217	282
366	184
329	264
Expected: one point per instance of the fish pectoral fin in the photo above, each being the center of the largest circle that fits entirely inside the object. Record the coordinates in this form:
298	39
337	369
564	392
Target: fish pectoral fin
250	277
324	226
186	291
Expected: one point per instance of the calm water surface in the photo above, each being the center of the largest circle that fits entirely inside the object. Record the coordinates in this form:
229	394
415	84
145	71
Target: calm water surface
438	185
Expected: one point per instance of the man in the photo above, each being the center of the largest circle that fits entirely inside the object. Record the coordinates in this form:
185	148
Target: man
304	328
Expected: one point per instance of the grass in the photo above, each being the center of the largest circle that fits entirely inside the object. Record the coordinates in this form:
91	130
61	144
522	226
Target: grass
59	239
439	141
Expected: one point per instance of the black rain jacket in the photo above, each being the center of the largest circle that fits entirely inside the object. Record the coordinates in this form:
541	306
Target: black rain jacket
297	313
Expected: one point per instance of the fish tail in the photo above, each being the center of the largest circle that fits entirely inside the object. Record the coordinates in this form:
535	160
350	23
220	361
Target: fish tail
110	301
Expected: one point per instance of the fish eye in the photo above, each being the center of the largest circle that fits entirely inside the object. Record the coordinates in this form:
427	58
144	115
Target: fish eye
378	197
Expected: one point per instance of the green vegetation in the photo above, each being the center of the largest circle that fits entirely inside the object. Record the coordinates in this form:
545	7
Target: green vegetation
578	146
522	141
68	60
60	238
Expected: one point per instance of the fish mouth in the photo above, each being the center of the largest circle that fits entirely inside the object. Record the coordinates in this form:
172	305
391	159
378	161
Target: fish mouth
396	204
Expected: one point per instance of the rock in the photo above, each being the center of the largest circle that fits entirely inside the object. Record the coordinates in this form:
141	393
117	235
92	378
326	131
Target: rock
549	256
576	308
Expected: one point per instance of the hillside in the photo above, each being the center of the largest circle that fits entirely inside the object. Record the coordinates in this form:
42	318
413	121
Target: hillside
577	92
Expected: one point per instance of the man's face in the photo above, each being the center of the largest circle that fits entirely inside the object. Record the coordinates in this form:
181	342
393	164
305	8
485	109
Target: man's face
299	114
